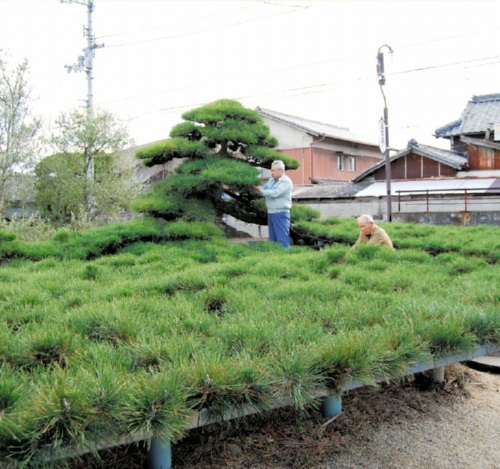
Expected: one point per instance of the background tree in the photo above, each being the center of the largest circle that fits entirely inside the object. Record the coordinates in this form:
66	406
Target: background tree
60	186
19	128
222	144
64	189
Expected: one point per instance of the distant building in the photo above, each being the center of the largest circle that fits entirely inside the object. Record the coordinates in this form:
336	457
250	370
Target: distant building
477	132
418	161
149	175
428	184
327	153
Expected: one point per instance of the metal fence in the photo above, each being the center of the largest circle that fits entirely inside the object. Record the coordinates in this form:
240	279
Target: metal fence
464	200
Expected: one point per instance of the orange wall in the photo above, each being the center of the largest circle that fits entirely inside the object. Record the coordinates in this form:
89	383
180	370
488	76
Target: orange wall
323	165
483	158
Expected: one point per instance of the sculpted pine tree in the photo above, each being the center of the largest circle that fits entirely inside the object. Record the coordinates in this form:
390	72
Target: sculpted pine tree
223	145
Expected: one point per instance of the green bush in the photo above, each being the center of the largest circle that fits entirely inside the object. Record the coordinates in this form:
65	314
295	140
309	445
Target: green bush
303	213
126	332
6	236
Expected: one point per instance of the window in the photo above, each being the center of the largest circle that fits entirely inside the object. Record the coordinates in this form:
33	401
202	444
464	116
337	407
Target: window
340	161
351	163
345	162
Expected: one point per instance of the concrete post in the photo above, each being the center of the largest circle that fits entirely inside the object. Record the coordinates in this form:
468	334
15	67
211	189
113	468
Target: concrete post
160	454
331	406
438	374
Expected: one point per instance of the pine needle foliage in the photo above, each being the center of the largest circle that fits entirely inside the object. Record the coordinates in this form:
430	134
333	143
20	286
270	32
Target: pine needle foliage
12	401
136	334
155	408
477	241
177	147
108	239
222	144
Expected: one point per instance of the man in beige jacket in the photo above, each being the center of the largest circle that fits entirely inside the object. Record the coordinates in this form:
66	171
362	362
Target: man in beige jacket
371	233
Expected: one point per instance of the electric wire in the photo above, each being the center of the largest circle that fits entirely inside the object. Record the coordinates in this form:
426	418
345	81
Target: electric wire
290	93
167	25
323	87
207	29
293	67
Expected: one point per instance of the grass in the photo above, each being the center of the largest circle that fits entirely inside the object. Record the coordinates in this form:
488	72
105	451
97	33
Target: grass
479	241
135	343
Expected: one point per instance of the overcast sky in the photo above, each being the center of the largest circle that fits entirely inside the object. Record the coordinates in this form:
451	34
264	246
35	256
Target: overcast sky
314	59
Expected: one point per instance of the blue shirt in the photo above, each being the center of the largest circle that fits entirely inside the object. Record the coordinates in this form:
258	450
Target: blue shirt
278	194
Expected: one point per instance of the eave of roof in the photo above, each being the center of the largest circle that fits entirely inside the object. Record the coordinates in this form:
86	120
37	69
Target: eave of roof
315	128
479	142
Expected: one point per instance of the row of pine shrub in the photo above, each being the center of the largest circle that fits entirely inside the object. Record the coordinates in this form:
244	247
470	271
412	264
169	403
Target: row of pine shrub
128	332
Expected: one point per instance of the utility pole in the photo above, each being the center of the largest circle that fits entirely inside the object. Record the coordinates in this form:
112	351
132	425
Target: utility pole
384	128
85	63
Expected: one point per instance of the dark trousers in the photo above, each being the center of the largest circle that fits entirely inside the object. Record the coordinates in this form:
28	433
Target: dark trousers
279	228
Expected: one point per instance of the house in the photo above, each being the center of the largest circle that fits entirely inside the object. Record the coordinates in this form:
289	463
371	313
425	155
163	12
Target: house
428	184
477	133
418	161
327	153
149	175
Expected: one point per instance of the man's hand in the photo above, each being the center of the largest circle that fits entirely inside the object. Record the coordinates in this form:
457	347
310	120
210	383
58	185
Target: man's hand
257	188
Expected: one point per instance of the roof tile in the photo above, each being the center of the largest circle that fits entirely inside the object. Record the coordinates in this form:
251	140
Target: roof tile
480	114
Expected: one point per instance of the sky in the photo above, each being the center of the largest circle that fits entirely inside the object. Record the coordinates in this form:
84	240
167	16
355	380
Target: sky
311	59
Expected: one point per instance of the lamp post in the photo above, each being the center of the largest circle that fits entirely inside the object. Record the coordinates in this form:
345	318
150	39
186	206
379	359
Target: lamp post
384	128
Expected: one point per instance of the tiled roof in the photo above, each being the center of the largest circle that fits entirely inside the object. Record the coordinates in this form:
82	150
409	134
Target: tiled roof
480	114
315	128
330	191
454	159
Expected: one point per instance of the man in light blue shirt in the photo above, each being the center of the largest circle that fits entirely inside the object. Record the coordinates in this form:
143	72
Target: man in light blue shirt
278	194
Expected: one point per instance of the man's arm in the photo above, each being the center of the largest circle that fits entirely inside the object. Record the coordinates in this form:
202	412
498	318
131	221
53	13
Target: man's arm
361	240
282	187
380	238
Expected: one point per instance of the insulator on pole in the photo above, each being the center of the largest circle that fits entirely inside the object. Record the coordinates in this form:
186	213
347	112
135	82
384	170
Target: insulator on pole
380	68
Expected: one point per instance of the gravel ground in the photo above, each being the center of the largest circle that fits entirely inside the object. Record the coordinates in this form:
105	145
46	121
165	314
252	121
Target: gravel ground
399	425
463	432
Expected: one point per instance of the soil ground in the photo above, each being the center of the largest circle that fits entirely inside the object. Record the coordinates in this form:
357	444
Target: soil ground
407	424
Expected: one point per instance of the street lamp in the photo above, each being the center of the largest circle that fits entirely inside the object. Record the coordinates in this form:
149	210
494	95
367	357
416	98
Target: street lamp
384	128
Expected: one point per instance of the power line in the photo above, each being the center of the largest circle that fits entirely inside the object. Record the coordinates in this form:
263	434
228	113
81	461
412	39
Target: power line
447	38
166	25
275	71
176	109
280	4
451	64
204	30
307	89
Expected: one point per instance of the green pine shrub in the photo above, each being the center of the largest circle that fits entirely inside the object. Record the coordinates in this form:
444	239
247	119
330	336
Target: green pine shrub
156	406
6	236
303	213
133	345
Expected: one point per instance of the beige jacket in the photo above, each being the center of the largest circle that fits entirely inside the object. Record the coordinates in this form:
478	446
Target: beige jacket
378	237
